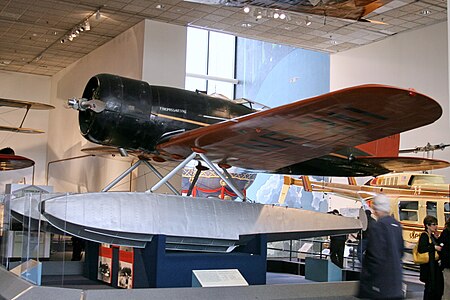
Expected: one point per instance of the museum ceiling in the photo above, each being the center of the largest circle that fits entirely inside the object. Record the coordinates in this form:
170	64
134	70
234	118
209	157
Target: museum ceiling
32	30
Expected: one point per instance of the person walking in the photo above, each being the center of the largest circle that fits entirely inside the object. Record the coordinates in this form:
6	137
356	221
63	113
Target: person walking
444	242
430	273
337	245
381	274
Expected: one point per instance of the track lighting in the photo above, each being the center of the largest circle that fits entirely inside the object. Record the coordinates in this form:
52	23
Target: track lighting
259	13
74	32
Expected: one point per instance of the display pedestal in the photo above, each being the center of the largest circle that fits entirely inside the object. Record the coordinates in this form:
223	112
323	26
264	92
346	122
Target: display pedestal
154	267
322	270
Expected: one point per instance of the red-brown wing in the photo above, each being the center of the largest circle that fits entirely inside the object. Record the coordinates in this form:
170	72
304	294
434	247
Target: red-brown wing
307	129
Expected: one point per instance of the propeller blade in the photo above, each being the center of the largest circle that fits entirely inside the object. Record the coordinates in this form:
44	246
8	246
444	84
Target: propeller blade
84	104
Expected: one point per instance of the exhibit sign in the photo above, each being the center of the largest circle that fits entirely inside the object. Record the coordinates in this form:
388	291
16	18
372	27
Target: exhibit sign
125	273
104	263
215	278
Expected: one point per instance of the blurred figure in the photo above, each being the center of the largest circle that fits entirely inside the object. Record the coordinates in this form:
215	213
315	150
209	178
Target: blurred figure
430	273
337	245
77	248
381	274
364	237
444	242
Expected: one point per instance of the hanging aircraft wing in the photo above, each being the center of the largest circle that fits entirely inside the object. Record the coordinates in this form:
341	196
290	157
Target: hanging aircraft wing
10	162
338	165
25	104
20	129
344	9
279	139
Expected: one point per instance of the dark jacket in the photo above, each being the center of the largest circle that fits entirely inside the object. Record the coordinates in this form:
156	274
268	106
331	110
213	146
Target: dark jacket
381	274
427	271
445	251
430	273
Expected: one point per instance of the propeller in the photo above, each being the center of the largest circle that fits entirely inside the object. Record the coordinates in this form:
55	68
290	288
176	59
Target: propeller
83	104
427	148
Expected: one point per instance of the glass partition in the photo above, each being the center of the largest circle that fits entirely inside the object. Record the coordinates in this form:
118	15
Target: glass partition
28	240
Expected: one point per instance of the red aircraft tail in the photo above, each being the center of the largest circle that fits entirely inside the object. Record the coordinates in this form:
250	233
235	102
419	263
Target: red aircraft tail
385	147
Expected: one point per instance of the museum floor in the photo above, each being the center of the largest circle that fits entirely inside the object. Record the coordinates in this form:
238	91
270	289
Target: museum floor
414	287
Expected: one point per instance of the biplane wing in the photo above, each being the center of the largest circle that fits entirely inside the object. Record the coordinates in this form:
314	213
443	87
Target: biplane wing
9	162
20	129
281	139
26	105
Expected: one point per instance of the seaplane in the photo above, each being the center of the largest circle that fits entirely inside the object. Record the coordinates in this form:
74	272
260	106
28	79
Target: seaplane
336	134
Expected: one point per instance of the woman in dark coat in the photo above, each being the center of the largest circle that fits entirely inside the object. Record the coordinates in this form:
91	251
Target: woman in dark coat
430	273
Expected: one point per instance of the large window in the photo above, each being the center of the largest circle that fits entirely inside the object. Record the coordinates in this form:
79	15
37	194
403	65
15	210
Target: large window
210	62
432	209
408	210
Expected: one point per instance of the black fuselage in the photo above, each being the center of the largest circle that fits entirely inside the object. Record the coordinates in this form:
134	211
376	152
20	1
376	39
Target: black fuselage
138	116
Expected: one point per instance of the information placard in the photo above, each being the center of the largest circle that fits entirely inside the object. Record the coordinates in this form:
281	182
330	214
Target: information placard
214	278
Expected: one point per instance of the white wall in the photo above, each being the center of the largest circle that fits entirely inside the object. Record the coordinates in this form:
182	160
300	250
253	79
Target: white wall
19	86
150	51
164	63
121	56
417	59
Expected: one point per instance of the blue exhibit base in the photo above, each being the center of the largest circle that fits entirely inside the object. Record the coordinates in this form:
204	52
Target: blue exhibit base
154	267
322	270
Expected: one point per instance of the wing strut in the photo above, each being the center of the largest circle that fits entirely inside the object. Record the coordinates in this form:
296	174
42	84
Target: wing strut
26	113
134	166
225	176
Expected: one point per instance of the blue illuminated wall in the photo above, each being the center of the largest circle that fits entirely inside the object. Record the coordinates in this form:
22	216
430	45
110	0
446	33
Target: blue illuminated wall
274	75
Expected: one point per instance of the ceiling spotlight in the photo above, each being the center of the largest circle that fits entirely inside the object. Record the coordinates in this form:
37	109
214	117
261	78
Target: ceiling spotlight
282	16
246	9
276	15
159	6
87	26
70	38
425	12
98	15
259	16
63	41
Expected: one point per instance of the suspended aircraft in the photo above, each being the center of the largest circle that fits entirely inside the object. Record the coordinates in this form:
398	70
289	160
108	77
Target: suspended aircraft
323	135
27	105
8	159
342	9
